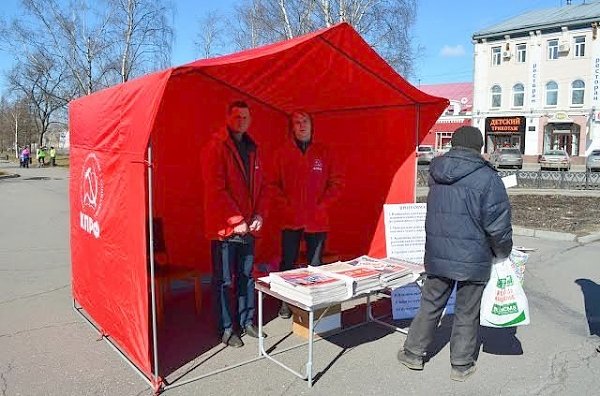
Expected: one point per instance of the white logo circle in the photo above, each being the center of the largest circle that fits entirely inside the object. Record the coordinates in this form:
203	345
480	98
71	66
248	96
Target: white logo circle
92	185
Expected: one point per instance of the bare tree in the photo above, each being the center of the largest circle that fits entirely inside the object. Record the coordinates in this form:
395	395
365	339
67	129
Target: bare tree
73	34
141	34
385	24
41	81
67	49
99	44
11	115
17	123
210	40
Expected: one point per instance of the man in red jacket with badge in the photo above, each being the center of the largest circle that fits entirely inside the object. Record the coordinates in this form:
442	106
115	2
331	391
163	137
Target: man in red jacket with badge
307	182
233	204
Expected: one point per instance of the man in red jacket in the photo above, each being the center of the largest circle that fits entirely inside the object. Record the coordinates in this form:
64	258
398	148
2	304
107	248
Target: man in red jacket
233	203
307	182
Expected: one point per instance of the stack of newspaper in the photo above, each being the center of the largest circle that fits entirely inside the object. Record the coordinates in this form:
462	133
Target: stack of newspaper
393	272
308	286
358	279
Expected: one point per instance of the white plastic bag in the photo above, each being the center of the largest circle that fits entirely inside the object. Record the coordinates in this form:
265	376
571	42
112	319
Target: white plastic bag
504	303
518	260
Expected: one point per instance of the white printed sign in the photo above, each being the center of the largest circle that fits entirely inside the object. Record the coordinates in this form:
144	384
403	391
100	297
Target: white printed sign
509	181
405	231
406	301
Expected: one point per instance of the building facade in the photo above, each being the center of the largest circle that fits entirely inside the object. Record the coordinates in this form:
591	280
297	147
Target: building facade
457	114
537	82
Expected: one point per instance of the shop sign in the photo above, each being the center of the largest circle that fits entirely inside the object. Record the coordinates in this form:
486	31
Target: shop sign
560	116
505	125
533	79
596	82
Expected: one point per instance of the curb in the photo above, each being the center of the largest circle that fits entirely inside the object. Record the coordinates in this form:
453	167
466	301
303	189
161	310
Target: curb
555	236
589	238
543	234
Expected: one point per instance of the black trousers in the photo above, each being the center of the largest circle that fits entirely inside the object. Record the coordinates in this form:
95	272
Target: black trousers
290	246
465	329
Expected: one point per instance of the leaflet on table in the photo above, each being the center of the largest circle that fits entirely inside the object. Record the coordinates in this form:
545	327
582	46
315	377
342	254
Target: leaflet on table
309	298
358	279
304	277
389	266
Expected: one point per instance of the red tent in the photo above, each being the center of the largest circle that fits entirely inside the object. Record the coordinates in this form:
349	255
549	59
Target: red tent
359	104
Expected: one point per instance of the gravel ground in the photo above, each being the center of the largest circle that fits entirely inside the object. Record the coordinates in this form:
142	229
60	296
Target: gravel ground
576	215
560	213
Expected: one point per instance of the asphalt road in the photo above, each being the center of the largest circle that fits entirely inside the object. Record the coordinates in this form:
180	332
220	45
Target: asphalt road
46	349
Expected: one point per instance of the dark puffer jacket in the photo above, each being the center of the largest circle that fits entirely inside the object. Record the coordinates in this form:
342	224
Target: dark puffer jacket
468	217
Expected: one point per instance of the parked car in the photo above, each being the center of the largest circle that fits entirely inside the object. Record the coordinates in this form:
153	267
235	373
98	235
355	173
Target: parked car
507	156
425	154
593	161
555	159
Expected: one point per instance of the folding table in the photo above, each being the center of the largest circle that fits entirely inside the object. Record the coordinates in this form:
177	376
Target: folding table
263	287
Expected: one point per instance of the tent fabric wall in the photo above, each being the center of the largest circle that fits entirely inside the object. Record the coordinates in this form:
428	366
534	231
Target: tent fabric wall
107	207
360	106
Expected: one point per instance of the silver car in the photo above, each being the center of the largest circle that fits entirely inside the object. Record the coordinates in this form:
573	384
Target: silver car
507	157
555	159
425	154
593	161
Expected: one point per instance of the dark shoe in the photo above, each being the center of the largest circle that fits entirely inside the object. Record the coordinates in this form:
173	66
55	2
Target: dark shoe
252	331
231	339
410	360
284	311
461	373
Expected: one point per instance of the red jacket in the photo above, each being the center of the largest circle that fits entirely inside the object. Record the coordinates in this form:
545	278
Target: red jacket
306	185
228	198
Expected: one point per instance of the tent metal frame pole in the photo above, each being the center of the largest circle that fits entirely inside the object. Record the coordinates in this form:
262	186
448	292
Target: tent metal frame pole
418	122
151	250
111	344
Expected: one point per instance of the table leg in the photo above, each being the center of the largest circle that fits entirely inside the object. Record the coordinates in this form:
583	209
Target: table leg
260	322
311	330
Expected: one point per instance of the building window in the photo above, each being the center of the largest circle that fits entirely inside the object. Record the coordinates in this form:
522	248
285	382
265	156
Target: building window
577	92
521	53
553	49
496	96
496	56
551	93
518	95
579	46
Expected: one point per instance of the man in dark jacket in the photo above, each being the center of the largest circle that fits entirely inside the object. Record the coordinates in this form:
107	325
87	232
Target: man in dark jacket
468	223
233	205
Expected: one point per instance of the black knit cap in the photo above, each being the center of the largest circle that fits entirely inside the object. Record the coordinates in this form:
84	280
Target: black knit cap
468	137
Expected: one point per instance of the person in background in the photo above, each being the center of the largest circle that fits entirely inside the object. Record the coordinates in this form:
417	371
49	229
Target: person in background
52	156
41	156
468	223
233	209
25	154
306	183
21	158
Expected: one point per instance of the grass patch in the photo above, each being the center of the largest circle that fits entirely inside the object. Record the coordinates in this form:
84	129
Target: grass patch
62	160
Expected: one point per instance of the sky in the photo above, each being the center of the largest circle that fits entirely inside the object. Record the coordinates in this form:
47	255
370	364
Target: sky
443	29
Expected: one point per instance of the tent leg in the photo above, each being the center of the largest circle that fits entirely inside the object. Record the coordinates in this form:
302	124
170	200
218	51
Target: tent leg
418	121
115	348
151	254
